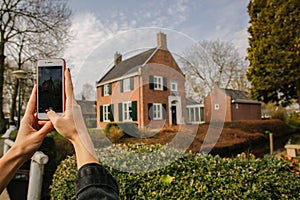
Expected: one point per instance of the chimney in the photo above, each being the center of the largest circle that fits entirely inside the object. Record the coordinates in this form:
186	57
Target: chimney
117	58
162	40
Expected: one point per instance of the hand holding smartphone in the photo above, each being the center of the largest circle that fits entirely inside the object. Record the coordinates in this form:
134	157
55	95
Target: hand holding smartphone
51	86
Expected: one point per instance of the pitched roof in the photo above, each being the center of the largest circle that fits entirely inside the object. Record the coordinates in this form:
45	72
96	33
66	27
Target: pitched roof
87	107
190	101
129	65
239	96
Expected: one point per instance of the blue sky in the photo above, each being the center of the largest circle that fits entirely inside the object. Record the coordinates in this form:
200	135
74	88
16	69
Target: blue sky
98	26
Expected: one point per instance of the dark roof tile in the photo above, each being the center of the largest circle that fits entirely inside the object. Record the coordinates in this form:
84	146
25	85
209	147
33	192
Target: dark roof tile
127	66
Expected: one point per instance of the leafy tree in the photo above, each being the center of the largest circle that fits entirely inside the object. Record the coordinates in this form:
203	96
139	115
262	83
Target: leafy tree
274	70
29	28
214	62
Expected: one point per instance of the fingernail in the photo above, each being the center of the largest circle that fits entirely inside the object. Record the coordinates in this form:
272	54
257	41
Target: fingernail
47	110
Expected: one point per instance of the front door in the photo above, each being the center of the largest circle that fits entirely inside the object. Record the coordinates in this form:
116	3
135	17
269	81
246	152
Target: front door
173	111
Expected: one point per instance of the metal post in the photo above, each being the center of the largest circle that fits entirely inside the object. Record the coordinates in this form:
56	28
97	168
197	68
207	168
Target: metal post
19	106
38	160
271	143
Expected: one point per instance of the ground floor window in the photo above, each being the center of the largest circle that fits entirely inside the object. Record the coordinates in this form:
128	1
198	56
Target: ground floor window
127	108
195	114
128	111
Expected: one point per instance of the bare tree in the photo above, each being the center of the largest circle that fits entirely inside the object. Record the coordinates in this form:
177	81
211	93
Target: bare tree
88	92
211	63
30	29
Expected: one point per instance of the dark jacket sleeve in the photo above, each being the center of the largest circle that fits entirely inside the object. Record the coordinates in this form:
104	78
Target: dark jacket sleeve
95	182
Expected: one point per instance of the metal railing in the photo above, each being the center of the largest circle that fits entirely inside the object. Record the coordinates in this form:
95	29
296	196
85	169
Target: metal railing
38	161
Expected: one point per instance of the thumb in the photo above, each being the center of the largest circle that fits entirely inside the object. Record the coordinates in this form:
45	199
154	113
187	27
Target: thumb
52	116
46	128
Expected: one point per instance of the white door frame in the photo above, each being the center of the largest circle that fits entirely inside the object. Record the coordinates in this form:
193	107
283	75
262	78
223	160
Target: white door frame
179	118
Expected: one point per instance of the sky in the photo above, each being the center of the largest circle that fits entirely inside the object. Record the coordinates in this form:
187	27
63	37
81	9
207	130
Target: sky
102	27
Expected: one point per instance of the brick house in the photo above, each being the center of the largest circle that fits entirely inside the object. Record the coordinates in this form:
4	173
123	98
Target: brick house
230	105
147	89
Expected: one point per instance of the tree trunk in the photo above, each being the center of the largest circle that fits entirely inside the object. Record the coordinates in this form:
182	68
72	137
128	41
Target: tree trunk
2	66
298	91
13	102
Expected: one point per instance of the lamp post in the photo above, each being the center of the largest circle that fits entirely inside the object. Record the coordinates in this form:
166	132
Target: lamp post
20	74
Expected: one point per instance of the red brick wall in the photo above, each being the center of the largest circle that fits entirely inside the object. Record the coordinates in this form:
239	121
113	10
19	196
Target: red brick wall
115	98
161	64
223	113
244	111
241	111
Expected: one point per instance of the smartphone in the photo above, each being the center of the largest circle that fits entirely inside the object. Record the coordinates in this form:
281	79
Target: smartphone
51	86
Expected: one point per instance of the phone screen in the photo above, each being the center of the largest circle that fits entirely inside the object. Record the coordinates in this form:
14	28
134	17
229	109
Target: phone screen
50	88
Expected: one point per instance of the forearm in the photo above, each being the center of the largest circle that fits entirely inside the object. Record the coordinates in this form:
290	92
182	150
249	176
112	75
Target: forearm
84	155
9	164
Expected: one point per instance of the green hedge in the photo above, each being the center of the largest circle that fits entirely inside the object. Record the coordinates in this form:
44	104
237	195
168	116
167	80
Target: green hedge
192	176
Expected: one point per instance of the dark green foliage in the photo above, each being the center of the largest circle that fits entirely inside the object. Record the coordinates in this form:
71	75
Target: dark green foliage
274	52
192	176
63	185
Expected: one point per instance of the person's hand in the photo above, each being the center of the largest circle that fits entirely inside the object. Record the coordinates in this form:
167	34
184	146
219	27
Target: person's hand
71	126
31	132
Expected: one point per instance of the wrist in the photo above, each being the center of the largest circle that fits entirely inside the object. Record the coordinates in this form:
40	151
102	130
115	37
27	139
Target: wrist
16	153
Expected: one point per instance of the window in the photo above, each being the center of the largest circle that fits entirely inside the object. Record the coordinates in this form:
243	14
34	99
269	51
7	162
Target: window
106	111
217	106
158	83
195	114
127	108
106	90
127	84
174	86
157	111
128	111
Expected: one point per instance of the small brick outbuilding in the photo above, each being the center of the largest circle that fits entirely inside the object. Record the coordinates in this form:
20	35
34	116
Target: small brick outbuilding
230	105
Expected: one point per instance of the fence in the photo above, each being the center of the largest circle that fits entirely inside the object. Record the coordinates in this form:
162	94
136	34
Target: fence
38	161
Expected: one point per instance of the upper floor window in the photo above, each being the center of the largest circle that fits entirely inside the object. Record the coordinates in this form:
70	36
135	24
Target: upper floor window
174	86
127	84
158	83
106	90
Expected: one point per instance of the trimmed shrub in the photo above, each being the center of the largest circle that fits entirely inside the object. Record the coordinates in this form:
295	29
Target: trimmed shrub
114	134
128	128
63	184
192	176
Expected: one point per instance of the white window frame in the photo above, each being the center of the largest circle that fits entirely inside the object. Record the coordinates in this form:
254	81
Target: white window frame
126	85
192	114
126	111
157	111
158	82
175	84
106	112
106	90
